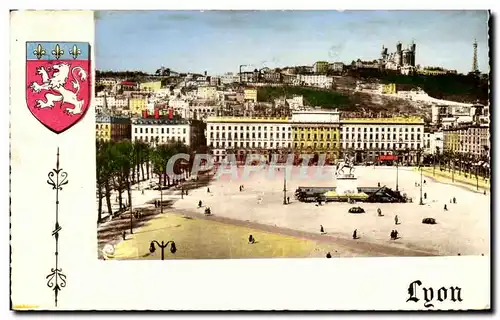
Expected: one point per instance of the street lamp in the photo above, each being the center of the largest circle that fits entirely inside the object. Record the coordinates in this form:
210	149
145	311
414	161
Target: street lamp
284	186
397	173
421	174
163	245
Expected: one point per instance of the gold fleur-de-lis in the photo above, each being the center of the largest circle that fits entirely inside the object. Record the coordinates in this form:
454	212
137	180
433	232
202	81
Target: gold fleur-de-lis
57	52
39	52
75	51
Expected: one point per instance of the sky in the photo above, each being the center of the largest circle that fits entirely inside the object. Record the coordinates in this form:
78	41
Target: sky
220	41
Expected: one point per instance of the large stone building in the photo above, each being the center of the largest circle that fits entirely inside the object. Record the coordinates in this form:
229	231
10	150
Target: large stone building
160	131
114	128
150	86
315	80
316	132
320	67
369	138
433	142
402	60
137	105
245	135
471	140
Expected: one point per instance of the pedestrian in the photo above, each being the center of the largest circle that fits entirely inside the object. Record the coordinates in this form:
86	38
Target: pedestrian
251	239
288	200
208	190
396	220
142	191
123	235
379	212
395	234
321	229
156	203
445	207
240	188
355	234
378	184
199	204
392	235
484	192
425	181
425	195
328	255
186	192
454	200
415	183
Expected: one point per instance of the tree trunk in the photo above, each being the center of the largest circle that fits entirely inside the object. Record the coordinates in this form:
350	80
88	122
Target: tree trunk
133	174
147	169
107	193
119	190
99	206
142	171
129	192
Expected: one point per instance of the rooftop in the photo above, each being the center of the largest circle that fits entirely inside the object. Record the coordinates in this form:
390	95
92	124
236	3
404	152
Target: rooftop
394	120
249	119
160	121
106	118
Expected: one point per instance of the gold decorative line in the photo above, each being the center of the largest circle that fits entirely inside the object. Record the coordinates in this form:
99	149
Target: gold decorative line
25	306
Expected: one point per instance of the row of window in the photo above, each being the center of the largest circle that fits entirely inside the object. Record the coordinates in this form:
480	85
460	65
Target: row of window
162	130
159	139
394	129
247	135
300	129
252	144
315	136
259	128
382	136
388	146
114	133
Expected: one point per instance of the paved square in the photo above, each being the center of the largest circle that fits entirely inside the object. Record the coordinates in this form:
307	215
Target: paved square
463	229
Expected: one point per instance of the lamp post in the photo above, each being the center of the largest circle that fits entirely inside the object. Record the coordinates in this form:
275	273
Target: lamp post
434	164
421	175
284	186
397	173
161	198
163	245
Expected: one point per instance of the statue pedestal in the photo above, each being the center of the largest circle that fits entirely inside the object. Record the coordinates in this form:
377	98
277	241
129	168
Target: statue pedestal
346	184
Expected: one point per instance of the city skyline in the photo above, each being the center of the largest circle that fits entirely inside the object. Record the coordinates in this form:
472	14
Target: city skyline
219	41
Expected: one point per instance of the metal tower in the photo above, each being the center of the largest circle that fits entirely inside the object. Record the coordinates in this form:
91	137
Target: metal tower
474	58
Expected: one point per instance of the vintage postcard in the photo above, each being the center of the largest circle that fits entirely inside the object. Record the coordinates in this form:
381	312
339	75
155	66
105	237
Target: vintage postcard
250	160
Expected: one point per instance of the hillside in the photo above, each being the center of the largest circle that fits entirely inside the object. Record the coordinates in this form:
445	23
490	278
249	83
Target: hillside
344	100
460	88
312	96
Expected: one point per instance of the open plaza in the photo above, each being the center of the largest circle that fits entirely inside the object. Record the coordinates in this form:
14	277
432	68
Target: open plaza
293	230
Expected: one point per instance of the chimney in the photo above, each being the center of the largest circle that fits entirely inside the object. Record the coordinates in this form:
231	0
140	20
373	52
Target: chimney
157	113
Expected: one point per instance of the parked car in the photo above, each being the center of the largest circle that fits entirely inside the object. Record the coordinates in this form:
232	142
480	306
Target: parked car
429	220
356	210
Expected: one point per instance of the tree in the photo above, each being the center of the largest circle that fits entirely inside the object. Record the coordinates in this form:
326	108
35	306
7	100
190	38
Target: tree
99	87
104	172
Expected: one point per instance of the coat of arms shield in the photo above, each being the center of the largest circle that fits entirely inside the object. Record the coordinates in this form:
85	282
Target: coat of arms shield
58	82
